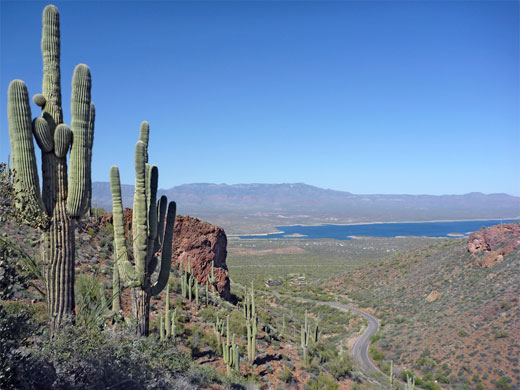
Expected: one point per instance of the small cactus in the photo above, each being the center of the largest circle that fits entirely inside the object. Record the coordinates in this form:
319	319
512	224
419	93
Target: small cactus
251	323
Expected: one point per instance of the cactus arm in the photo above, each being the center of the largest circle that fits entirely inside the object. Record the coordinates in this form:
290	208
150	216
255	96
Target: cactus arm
51	85
90	144
126	269
42	134
62	140
139	222
161	214
152	265
79	169
144	136
20	135
39	100
151	193
166	257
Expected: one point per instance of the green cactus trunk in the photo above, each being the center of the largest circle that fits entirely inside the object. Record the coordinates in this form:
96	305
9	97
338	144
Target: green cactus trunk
57	254
62	204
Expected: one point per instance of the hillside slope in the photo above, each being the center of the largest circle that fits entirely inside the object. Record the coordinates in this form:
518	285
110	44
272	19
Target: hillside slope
443	316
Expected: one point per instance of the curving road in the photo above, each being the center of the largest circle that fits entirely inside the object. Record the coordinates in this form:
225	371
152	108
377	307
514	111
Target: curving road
360	349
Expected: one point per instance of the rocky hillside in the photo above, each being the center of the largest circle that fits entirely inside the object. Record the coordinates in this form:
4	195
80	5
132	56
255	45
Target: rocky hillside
85	358
448	313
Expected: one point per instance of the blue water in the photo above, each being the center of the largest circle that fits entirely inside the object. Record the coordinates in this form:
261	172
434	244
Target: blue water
342	232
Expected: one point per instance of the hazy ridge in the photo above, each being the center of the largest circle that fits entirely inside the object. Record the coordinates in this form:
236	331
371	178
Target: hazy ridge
258	208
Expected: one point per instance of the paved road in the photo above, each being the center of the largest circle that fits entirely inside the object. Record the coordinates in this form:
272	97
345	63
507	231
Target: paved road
360	349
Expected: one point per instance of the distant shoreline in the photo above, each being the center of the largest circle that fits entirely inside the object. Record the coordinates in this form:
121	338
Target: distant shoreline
370	223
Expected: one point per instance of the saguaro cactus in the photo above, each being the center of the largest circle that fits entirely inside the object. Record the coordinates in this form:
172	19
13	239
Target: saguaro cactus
149	234
62	199
251	323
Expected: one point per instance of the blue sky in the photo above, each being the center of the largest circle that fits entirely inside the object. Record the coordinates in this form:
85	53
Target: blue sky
367	97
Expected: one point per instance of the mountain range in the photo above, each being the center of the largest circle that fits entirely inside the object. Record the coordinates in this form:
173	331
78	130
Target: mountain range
258	208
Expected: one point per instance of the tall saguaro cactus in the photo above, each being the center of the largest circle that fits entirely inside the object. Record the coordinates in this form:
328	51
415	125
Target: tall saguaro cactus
63	199
149	234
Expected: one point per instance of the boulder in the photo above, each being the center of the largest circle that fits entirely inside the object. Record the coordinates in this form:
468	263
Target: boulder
433	296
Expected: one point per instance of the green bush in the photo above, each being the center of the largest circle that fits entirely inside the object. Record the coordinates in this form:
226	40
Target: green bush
323	382
503	383
80	357
431	386
375	354
340	367
285	375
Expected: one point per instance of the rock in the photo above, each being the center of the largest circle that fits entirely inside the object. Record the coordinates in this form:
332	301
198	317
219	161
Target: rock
495	237
201	243
433	296
490	245
198	241
489	260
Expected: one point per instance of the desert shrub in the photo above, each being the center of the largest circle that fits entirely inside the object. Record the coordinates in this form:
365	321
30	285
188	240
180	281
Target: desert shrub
93	306
285	375
88	358
503	383
340	367
376	337
198	339
208	314
323	350
14	319
375	354
237	323
500	334
323	382
430	385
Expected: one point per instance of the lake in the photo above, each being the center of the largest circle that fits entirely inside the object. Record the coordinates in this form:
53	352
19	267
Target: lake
347	232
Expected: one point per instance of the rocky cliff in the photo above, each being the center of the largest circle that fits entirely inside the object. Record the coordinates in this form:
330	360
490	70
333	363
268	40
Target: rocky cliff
490	245
201	243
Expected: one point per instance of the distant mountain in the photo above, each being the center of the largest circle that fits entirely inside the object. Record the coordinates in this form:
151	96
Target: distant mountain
246	208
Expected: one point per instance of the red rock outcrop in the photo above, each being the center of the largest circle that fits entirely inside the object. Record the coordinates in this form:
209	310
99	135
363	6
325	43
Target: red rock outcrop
494	243
199	242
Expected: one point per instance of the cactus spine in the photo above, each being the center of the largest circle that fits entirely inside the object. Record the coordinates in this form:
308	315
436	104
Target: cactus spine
149	233
63	199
